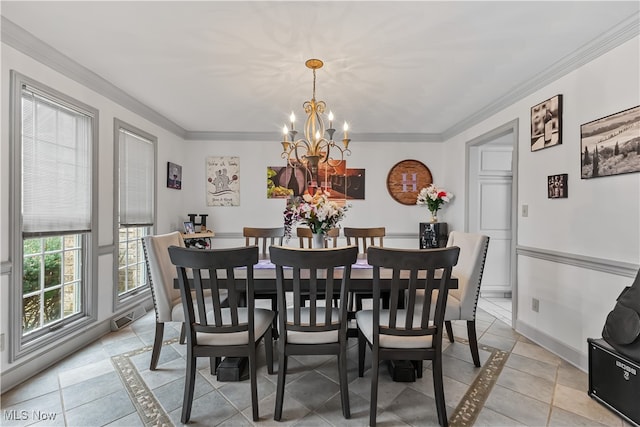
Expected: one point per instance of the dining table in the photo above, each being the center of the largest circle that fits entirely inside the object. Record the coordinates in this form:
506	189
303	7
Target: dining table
264	282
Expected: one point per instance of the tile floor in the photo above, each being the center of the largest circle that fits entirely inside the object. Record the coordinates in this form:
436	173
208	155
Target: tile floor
535	388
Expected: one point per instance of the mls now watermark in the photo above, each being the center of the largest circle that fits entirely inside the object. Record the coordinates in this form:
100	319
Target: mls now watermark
25	415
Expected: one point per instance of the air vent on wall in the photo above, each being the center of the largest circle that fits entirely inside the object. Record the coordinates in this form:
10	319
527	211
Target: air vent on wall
127	317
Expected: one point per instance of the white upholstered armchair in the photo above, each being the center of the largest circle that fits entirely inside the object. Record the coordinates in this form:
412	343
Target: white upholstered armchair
166	299
462	302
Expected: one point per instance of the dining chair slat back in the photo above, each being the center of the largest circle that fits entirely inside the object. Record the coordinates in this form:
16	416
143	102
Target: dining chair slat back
317	328
305	237
233	327
263	238
404	330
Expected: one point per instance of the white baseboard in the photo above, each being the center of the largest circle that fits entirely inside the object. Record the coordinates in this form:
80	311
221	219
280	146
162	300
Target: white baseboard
578	359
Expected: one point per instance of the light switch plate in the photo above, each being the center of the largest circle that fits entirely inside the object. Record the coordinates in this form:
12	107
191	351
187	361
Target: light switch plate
525	211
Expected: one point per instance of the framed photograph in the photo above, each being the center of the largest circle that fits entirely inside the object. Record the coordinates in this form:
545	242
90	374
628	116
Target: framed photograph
611	145
174	176
557	186
189	228
546	123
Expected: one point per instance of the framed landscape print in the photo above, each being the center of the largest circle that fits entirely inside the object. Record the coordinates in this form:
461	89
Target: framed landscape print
546	123
557	186
611	145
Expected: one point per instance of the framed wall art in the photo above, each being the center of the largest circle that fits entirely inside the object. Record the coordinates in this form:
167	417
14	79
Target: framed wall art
546	123
223	181
406	179
557	186
174	176
611	145
340	182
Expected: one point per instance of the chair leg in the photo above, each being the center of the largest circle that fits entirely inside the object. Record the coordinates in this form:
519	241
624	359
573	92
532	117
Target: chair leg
157	346
473	342
254	383
189	384
362	344
344	384
449	328
183	334
282	372
213	364
274	327
438	389
418	366
373	408
268	350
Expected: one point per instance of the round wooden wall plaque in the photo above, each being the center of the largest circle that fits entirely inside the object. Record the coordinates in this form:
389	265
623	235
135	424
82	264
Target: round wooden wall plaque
406	179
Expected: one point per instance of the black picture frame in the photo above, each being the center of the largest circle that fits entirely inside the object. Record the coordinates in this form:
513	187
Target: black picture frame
611	145
174	176
546	123
558	186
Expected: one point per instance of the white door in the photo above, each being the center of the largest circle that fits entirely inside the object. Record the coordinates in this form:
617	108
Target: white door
490	190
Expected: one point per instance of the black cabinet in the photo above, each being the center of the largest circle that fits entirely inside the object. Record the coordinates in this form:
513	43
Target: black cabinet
433	235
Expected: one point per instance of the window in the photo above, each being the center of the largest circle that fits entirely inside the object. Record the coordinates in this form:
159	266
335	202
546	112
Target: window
53	215
135	160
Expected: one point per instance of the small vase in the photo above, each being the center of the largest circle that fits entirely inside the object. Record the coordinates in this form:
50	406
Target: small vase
317	241
434	216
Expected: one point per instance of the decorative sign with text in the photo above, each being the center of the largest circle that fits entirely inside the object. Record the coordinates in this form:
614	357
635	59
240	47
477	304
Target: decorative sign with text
223	181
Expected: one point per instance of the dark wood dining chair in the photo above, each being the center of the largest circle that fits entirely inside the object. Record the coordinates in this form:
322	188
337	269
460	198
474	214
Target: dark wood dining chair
263	237
319	328
363	238
407	334
305	237
229	329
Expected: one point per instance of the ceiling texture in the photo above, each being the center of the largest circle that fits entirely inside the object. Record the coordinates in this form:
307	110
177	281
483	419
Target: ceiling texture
409	71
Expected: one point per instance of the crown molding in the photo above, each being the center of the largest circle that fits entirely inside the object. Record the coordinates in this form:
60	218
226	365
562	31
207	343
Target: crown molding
614	37
20	39
269	136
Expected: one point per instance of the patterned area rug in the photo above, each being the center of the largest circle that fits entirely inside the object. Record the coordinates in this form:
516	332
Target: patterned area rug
153	414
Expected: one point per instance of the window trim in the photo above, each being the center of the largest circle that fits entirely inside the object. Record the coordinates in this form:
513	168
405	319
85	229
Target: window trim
18	347
135	296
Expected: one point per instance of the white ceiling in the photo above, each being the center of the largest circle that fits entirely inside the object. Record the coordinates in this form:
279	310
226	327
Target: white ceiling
420	67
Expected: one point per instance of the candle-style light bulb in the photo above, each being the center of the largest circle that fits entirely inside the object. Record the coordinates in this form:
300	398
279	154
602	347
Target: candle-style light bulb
330	119
292	118
346	130
317	135
285	132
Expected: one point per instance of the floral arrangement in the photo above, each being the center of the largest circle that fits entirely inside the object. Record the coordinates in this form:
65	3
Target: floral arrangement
318	212
434	198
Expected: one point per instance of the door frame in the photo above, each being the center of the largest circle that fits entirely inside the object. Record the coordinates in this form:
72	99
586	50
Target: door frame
511	127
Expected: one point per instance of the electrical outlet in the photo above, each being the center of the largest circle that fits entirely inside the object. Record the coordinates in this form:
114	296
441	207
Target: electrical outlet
535	305
525	211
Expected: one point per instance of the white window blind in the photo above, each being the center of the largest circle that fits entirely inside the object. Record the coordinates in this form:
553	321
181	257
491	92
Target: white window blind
56	166
137	174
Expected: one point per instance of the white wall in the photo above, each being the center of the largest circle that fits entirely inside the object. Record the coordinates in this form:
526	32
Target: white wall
378	208
598	222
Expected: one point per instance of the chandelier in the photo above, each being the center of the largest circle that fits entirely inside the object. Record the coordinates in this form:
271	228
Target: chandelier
317	146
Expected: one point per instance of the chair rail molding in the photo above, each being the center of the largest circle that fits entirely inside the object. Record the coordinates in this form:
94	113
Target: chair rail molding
619	268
